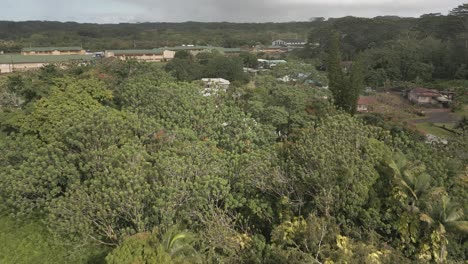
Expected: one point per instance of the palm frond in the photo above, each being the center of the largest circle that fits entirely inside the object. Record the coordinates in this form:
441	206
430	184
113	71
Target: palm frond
422	183
454	215
177	237
458	226
426	218
405	184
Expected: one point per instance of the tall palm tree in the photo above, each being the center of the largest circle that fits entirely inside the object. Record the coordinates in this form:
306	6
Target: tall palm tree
444	217
413	180
172	247
178	244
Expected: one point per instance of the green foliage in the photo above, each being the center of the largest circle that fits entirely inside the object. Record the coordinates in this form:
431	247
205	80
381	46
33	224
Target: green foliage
16	35
336	185
301	72
281	105
209	65
120	156
249	60
152	247
418	50
28	242
463	124
184	69
313	235
344	87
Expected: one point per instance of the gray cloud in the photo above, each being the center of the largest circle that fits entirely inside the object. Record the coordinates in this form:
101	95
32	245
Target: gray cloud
105	11
282	10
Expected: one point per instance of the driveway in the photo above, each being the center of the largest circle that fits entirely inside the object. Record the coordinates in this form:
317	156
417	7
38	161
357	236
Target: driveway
440	115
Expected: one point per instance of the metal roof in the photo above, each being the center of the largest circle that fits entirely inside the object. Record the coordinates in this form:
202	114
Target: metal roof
18	59
292	40
425	92
189	48
216	80
274	47
228	50
366	100
53	48
277	61
137	51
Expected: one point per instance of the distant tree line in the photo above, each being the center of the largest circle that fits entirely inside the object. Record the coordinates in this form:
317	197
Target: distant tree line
16	35
398	50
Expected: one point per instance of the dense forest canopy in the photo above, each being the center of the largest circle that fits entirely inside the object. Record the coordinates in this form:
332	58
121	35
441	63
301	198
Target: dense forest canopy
120	156
131	162
416	50
16	35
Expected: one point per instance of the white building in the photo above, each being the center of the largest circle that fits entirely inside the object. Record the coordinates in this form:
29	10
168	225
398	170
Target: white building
38	51
288	42
148	55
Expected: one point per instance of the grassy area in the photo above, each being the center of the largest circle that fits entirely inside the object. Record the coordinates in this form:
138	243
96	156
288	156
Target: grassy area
463	112
433	129
396	107
24	243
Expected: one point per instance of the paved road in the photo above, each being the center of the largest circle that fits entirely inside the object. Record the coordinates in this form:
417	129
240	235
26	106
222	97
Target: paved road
442	115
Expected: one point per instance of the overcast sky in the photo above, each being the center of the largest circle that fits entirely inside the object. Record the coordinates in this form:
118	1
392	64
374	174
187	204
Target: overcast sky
114	11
